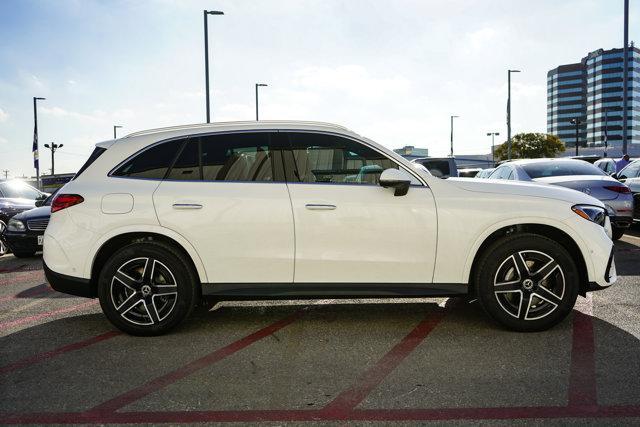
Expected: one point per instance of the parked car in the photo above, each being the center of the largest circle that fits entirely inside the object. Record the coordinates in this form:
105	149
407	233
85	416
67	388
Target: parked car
484	173
15	197
468	172
440	167
630	176
607	164
25	231
160	220
578	175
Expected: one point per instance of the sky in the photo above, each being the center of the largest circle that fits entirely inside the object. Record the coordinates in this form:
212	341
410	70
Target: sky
394	71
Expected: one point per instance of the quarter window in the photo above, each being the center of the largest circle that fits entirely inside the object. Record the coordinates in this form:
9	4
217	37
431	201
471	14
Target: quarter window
151	163
332	159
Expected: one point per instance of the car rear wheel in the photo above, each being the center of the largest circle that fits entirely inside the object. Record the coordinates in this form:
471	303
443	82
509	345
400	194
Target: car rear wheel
147	288
527	282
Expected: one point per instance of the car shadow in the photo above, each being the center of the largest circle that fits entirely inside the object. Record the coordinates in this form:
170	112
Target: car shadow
464	334
627	256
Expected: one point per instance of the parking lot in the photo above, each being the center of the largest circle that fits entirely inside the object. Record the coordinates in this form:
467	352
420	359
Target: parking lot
370	361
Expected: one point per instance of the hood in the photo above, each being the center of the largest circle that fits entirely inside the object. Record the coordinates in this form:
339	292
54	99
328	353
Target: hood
520	188
41	212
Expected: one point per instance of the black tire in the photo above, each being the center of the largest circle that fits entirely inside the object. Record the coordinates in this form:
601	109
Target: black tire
3	246
129	300
617	233
537	299
24	254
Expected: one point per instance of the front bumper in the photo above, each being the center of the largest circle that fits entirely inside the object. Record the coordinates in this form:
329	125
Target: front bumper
22	242
610	275
70	285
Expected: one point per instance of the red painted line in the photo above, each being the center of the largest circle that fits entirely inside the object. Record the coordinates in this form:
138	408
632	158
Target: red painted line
444	414
58	351
211	358
372	377
582	377
37	290
17	322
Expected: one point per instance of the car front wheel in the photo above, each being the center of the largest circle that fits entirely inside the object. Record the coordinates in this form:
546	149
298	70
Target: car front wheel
527	282
147	288
617	233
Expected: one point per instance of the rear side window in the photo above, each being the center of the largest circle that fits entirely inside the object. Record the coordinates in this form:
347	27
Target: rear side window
187	165
561	168
97	152
238	157
151	163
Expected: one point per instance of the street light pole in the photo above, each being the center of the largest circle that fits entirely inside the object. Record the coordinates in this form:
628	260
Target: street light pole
206	13
576	122
493	144
606	131
36	156
452	117
509	111
53	147
257	86
114	131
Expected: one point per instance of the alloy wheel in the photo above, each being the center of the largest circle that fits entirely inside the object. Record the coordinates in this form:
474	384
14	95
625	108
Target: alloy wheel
144	291
529	285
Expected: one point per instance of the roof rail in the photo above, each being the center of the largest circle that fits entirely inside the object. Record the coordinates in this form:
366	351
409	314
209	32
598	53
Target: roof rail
261	123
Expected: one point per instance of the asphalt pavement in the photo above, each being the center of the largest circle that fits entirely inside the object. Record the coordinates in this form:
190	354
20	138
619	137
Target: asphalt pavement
439	361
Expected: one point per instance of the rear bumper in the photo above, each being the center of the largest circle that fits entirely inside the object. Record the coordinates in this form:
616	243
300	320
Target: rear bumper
621	221
70	285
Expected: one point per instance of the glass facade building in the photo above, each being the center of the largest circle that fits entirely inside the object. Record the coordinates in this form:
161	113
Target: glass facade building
591	91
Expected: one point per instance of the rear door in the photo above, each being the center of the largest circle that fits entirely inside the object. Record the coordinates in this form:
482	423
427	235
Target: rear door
226	195
348	229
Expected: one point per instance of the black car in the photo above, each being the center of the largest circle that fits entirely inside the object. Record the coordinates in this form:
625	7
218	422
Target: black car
25	230
15	197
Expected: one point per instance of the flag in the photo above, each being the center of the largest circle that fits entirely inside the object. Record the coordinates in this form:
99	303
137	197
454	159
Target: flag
36	162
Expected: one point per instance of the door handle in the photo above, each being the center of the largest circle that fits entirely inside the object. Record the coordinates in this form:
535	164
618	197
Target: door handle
319	207
187	206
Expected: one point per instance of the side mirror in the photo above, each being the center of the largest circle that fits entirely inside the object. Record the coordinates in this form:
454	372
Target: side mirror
39	203
394	178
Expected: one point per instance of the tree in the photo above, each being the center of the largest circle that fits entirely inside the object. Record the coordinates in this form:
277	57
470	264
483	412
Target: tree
530	146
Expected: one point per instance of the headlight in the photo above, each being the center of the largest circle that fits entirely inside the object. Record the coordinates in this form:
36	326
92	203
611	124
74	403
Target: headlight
592	213
15	225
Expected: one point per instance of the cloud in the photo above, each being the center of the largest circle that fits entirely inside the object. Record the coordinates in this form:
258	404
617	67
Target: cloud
4	116
481	38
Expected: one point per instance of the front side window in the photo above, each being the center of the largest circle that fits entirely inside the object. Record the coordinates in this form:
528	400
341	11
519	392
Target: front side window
151	163
321	158
18	190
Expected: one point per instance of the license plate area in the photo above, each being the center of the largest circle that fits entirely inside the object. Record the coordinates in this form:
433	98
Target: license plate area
40	240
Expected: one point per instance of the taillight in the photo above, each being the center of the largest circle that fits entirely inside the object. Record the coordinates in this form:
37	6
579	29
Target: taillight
63	201
622	189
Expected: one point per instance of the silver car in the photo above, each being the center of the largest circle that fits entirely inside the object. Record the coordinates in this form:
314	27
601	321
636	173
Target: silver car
578	175
630	175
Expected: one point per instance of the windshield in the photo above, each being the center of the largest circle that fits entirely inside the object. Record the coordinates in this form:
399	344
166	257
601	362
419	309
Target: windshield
18	190
560	168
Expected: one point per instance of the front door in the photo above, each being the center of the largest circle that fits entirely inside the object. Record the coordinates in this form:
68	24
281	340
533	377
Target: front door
348	229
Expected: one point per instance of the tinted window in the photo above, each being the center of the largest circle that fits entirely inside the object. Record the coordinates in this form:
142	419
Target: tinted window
151	163
561	168
333	159
237	157
438	168
187	165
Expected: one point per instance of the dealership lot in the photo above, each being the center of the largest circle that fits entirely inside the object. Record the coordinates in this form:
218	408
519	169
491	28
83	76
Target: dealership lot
429	360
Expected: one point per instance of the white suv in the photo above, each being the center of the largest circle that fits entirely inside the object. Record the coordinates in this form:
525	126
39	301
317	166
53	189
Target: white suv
160	221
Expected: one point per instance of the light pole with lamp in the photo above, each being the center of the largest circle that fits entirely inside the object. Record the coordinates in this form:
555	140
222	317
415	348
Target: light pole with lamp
257	86
53	147
493	144
452	117
509	111
206	13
